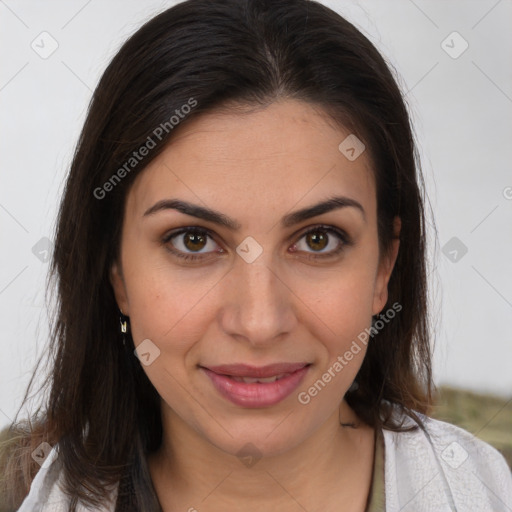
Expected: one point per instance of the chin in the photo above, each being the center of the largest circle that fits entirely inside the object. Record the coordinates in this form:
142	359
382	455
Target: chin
252	439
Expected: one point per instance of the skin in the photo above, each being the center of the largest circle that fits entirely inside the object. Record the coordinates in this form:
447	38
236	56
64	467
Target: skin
285	306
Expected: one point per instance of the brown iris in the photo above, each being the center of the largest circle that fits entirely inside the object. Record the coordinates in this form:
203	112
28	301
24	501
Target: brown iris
317	240
194	238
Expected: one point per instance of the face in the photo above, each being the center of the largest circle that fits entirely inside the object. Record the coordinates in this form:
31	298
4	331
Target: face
261	288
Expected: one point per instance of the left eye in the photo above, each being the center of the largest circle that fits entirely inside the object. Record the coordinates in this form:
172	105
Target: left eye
320	237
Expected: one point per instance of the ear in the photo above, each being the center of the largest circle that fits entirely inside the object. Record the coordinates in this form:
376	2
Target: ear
117	281
386	265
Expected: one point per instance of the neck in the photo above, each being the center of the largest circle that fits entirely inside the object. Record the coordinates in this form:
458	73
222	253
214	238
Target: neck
188	471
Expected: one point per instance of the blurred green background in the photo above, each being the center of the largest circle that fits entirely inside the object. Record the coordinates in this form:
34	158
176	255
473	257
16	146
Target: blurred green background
486	416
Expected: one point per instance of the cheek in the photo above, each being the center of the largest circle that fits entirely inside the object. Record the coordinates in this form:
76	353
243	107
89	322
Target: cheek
345	312
339	320
166	306
338	315
341	298
161	293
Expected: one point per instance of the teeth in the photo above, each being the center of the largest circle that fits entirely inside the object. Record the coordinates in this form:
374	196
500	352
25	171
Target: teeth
251	380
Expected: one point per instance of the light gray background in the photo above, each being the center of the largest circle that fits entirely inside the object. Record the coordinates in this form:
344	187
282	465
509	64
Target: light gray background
461	109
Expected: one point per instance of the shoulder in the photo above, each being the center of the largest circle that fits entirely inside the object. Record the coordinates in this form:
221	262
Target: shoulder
30	476
445	465
45	490
47	494
17	466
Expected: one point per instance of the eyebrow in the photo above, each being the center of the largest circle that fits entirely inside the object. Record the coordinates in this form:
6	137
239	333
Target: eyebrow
333	203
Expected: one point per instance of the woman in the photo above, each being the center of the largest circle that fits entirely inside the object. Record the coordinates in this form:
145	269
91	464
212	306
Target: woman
240	266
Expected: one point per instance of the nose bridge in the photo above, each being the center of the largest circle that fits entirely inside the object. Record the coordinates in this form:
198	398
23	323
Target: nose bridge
260	280
261	307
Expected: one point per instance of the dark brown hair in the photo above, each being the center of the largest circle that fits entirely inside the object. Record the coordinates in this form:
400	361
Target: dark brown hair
101	408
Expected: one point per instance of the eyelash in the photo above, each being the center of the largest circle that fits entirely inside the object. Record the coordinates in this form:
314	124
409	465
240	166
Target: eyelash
341	235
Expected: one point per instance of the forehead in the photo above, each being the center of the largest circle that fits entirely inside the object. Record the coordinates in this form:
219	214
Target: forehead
264	160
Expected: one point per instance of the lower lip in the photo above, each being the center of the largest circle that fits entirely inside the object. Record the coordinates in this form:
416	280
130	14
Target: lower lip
256	394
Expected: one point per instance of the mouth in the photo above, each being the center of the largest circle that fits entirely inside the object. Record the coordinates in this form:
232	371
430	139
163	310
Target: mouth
250	386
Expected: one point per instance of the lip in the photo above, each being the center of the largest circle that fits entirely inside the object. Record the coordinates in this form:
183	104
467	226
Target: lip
257	394
244	370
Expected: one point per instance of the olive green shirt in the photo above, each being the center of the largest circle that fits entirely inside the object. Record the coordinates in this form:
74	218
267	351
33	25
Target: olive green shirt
377	497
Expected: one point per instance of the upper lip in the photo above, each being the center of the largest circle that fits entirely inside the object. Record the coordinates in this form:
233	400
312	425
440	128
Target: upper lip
244	370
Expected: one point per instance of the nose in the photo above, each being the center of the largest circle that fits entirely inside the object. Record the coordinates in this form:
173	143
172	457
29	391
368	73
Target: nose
258	306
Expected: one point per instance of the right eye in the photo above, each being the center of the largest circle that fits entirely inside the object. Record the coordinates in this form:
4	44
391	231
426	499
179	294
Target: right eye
190	238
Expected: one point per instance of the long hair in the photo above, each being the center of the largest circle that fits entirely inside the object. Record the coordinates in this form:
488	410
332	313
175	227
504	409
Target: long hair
101	408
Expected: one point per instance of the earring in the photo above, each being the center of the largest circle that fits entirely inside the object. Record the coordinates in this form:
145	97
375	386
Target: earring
376	317
123	320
